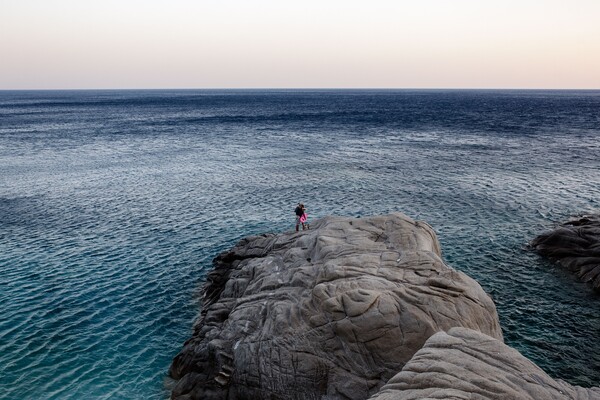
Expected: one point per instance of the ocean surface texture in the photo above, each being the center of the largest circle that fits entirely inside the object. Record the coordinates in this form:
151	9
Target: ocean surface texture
113	204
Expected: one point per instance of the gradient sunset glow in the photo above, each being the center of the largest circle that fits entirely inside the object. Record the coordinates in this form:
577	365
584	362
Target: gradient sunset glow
69	44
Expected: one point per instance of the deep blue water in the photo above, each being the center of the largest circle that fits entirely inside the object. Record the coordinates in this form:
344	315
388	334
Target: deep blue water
113	204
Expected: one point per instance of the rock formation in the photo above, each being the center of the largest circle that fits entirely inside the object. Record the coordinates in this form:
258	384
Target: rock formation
332	312
465	364
575	245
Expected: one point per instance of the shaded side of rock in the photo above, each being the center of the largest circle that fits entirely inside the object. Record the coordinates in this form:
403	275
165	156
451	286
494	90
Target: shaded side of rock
576	246
466	364
333	312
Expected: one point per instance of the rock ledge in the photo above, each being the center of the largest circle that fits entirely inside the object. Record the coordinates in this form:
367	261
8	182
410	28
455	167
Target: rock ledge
464	364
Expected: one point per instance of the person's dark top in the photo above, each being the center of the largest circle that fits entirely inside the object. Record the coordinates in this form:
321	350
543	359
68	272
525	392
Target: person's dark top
299	211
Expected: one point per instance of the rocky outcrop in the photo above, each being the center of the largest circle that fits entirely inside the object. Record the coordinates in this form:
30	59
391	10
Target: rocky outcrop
332	312
465	364
575	245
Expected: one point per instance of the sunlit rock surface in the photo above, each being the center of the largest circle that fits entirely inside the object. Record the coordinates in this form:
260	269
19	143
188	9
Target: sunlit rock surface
465	364
333	311
575	245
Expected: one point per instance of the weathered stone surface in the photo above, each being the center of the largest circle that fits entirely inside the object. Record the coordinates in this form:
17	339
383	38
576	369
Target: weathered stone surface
465	364
575	245
328	313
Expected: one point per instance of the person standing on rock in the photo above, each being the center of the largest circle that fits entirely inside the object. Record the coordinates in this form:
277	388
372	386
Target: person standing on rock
304	219
299	213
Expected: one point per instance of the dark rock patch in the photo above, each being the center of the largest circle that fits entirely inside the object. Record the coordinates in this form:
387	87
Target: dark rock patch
576	246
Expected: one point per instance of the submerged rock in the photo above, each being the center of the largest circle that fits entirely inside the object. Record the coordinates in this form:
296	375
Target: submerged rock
332	312
576	246
465	364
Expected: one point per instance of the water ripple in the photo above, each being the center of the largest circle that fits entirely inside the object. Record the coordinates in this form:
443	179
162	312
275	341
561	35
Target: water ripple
113	204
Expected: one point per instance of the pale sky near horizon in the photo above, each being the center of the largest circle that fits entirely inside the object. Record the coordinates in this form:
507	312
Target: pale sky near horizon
76	44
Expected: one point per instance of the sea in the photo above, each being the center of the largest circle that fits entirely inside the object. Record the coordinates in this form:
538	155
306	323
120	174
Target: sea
114	203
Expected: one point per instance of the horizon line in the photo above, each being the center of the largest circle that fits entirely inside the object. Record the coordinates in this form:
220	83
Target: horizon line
297	89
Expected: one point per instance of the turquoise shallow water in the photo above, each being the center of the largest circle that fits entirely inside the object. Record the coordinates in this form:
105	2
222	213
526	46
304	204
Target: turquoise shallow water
113	204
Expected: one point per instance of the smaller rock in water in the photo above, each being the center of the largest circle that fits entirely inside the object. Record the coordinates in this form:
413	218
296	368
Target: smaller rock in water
575	245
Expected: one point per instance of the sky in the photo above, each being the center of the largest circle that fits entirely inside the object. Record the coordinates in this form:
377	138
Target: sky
111	44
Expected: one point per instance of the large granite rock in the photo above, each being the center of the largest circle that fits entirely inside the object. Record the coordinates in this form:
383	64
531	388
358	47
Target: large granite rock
465	364
575	245
329	313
